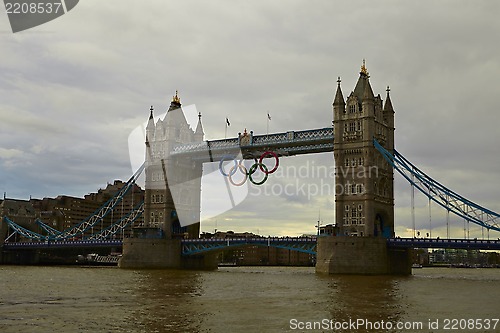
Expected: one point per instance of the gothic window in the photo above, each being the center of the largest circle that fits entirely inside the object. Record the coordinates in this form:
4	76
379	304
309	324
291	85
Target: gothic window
352	108
154	218
353	189
345	128
354	212
360	188
352	127
346	162
157	198
353	163
157	176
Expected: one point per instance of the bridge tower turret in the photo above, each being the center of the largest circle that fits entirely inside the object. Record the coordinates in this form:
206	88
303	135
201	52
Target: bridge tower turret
172	185
364	189
364	202
172	198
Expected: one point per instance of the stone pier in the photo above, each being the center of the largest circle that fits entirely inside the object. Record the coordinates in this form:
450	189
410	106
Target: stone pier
150	253
360	255
162	253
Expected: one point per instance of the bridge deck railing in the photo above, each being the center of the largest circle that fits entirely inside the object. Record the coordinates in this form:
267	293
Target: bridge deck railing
452	243
302	244
58	244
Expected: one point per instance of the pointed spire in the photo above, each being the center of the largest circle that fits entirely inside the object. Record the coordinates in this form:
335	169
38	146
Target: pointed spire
359	90
151	120
176	98
176	102
364	71
150	128
388	103
199	129
339	98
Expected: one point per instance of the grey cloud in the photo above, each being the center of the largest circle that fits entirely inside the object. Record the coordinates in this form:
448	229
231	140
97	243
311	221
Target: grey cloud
71	91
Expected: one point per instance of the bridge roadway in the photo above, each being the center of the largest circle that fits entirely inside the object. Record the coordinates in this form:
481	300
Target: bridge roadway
436	243
301	244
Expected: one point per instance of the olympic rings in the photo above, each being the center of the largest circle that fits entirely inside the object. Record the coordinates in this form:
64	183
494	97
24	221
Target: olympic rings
277	161
252	171
243	171
247	173
233	169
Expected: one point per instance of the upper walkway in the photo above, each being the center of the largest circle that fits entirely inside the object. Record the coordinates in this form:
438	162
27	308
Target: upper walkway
251	146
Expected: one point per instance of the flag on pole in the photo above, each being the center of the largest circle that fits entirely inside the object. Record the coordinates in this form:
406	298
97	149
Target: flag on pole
227	122
268	116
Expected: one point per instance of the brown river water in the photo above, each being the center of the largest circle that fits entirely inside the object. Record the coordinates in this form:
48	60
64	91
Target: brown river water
246	299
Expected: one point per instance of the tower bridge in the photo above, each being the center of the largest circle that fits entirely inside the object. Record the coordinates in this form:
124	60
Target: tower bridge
361	139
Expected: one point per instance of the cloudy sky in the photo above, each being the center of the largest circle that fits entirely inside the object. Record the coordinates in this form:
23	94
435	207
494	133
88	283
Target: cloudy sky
72	90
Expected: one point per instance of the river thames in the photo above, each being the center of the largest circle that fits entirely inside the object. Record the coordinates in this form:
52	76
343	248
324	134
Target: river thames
244	299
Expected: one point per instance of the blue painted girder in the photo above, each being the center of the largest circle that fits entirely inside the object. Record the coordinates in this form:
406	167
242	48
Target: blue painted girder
197	246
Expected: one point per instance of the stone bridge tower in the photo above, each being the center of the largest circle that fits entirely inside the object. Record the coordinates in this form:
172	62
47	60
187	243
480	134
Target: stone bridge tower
172	198
364	198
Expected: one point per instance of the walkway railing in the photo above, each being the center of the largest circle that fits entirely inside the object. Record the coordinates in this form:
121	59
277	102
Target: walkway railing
285	143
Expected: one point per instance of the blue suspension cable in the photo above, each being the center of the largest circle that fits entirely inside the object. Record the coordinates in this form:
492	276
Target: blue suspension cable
446	198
